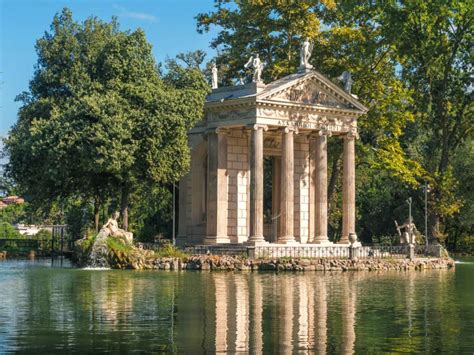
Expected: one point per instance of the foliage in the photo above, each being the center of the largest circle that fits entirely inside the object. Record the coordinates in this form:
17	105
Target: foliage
433	41
273	29
44	234
170	251
13	213
7	231
99	121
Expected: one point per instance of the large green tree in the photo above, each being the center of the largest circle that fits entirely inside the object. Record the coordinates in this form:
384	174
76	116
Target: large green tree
434	43
99	119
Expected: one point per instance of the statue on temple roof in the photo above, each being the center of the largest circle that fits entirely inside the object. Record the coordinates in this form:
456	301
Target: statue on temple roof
257	66
214	76
346	79
305	53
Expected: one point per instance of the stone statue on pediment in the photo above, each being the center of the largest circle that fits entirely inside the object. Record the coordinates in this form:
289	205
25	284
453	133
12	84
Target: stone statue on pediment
346	79
305	53
214	76
257	65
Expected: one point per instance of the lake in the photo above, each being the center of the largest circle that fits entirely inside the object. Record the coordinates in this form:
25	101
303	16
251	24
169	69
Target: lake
48	307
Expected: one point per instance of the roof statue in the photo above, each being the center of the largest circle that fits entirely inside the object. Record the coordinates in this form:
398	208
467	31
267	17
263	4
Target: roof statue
305	53
346	79
257	66
214	76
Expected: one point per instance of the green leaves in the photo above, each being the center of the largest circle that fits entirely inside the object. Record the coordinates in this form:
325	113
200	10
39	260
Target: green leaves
99	117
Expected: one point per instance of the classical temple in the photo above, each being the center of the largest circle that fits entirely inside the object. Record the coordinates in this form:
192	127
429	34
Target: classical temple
259	163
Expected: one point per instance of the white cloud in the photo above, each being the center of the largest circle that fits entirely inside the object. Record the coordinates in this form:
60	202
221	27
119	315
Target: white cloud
142	16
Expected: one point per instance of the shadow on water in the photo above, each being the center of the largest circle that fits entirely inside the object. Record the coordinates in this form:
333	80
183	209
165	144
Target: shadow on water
47	308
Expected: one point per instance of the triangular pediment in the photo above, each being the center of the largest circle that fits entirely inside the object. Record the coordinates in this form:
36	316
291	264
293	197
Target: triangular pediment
310	88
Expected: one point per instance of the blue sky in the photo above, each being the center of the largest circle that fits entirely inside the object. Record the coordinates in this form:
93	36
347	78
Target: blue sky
170	27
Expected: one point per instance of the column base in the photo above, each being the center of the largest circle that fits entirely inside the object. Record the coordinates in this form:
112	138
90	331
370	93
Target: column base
320	241
344	241
288	240
210	240
253	241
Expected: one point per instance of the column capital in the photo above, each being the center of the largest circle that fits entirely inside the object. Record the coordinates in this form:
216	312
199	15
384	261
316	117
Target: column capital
324	131
353	133
289	129
218	130
257	126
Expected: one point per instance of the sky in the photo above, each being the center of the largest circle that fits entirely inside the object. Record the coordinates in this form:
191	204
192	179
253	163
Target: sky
170	27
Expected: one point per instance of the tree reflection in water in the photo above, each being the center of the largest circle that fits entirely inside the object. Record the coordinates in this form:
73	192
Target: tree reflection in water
64	309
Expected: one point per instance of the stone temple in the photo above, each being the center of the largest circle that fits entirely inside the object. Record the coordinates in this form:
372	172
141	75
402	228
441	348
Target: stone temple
259	163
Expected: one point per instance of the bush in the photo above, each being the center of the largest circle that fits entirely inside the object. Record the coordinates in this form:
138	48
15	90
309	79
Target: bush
7	231
44	234
170	251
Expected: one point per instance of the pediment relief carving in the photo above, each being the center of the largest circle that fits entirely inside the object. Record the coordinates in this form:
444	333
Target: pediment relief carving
309	92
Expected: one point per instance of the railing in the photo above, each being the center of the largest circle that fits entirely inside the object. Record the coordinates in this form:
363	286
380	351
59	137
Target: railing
382	252
228	249
319	251
278	251
434	250
26	245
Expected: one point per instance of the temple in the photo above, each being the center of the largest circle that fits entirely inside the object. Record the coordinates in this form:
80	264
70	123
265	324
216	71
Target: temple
259	163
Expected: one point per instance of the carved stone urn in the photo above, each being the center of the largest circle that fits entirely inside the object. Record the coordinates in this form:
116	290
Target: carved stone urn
352	238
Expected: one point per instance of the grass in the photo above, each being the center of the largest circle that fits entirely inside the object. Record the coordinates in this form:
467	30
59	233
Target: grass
170	251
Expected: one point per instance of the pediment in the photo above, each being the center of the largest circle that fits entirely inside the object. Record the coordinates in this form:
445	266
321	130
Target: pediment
309	89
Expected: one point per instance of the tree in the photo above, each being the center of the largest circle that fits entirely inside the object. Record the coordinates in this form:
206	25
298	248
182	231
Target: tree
434	40
99	119
273	29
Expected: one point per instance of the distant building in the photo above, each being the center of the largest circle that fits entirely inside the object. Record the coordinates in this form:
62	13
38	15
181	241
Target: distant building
25	229
2	205
12	200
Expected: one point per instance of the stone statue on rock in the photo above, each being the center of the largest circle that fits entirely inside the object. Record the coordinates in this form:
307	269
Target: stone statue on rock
409	232
112	229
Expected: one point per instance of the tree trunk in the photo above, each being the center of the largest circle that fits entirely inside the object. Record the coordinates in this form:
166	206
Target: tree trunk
96	213
124	207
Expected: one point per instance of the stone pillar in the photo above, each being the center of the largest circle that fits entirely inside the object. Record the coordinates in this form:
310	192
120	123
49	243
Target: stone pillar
348	188
276	190
182	207
216	227
287	188
321	189
256	186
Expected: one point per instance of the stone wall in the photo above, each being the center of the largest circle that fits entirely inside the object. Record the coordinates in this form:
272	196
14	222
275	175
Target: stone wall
235	263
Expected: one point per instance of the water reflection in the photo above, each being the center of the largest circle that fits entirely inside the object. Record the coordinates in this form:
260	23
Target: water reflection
63	309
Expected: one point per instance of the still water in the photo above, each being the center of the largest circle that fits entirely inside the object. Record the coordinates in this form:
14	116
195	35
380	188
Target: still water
47	308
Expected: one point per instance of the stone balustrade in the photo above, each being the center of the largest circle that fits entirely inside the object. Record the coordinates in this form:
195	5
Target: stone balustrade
319	251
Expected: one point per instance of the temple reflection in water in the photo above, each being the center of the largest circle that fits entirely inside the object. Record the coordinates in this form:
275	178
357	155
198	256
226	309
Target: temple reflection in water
285	313
238	312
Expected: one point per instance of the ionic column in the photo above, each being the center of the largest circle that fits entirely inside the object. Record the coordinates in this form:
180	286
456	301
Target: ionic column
321	188
348	188
216	226
287	188
256	185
